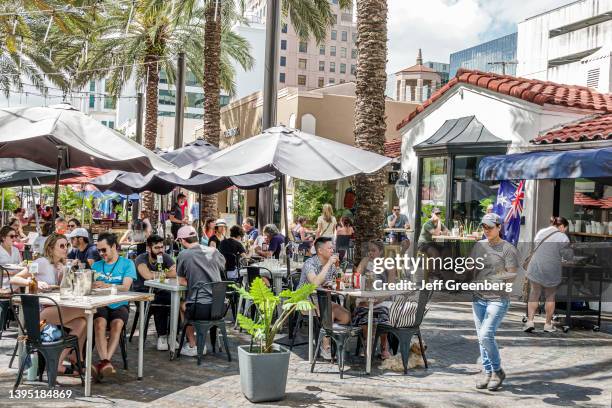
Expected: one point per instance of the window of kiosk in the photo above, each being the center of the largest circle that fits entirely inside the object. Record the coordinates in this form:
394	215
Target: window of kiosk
591	212
471	197
433	186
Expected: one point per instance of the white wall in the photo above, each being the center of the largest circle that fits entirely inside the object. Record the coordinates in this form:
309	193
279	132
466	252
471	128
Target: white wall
506	117
251	81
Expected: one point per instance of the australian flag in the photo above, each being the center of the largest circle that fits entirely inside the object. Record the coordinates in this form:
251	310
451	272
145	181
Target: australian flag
509	207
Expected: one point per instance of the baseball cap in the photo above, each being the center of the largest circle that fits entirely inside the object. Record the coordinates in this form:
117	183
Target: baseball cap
78	232
220	223
491	220
186	232
436	210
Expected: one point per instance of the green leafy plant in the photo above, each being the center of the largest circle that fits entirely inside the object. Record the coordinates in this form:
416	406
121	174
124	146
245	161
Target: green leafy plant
485	202
262	328
309	198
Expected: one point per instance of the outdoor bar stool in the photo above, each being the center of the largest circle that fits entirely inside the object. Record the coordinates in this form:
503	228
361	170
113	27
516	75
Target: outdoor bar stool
338	333
50	351
410	326
217	314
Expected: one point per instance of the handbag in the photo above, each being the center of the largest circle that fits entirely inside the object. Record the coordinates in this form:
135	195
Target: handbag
528	259
402	312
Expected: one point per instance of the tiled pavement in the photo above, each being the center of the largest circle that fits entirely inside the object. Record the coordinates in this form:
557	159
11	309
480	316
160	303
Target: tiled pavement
563	370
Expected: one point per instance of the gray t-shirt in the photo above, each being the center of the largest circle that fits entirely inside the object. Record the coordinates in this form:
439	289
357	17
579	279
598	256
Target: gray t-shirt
314	265
427	229
497	259
401	221
200	264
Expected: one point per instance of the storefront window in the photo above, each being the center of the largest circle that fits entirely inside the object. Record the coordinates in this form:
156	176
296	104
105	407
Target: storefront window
470	195
433	186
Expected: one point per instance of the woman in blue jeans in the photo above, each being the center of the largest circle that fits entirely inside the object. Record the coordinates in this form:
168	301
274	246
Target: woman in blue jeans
501	262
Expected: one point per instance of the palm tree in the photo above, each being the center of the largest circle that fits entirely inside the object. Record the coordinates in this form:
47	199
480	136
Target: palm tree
143	40
370	116
308	17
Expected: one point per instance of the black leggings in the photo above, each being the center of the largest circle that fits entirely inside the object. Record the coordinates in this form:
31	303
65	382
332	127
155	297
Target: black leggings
161	315
201	311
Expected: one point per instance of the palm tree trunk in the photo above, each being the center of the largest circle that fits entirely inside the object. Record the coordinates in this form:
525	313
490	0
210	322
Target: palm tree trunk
212	89
150	128
370	124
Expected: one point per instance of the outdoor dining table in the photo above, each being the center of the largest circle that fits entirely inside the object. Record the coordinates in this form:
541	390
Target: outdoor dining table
371	296
470	238
89	304
171	285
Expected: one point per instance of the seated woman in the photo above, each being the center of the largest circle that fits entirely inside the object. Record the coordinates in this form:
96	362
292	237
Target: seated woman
21	238
381	309
300	233
50	272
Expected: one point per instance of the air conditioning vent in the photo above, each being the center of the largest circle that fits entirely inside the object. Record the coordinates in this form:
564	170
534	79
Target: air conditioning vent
593	78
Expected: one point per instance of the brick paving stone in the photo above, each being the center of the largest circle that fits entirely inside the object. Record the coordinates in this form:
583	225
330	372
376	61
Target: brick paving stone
543	370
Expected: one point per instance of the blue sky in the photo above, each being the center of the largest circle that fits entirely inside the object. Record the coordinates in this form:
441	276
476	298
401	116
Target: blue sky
441	27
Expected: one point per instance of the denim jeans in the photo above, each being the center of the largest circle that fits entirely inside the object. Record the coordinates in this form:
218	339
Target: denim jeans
488	315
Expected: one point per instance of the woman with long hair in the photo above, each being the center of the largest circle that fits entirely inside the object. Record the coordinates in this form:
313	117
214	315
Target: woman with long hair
219	235
326	223
19	243
544	271
50	272
499	265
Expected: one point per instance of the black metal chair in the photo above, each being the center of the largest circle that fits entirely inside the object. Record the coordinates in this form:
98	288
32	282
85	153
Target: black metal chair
152	307
296	321
338	333
5	303
404	334
50	351
217	314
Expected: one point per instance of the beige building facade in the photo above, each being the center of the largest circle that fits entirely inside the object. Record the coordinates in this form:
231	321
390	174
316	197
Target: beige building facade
327	112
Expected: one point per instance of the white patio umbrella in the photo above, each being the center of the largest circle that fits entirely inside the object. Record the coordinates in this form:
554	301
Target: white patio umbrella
38	133
291	152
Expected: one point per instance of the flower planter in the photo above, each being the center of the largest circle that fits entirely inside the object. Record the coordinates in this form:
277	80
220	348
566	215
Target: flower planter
263	377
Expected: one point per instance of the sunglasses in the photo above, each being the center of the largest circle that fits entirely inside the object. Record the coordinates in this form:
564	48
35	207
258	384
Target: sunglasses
63	246
102	250
396	209
487	228
12	236
71	226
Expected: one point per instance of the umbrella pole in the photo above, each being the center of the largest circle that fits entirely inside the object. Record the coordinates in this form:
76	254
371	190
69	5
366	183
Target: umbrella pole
2	206
56	188
200	214
34	203
284	190
83	205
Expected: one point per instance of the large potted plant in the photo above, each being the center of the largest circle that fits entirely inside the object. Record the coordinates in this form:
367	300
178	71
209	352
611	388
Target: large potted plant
264	365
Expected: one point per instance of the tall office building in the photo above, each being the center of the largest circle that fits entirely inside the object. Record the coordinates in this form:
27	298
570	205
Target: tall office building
498	56
571	44
308	65
441	69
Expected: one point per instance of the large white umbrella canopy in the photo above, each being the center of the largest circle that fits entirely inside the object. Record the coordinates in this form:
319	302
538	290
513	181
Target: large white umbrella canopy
293	153
34	133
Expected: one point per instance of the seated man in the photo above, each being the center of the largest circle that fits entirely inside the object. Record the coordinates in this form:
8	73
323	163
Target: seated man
196	263
431	228
82	250
397	220
120	272
146	266
321	269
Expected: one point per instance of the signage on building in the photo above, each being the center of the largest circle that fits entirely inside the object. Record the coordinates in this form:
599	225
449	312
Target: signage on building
393	177
231	132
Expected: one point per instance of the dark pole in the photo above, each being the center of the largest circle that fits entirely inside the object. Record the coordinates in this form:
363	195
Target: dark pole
139	109
180	101
200	214
284	192
264	215
58	170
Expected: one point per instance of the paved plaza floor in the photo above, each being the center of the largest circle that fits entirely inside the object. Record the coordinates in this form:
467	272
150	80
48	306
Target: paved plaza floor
562	370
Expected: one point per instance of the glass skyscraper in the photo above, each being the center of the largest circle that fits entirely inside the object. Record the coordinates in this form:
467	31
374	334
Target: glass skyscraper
501	52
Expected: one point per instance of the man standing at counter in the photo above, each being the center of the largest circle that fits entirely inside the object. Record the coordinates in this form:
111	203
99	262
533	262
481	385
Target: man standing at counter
432	228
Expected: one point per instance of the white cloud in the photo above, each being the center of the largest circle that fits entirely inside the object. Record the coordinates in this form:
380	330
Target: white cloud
441	27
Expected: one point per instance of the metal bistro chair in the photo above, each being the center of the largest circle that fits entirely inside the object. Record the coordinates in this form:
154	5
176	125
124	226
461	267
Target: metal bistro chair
253	272
5	303
338	333
405	334
51	351
217	314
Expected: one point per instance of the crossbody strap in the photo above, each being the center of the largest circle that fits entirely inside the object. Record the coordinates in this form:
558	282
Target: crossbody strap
545	238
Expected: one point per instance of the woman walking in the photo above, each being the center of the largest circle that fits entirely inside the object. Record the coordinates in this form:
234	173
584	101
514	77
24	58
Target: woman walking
500	263
326	223
544	271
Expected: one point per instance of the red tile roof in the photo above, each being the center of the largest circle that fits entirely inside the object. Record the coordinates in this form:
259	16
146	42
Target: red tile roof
393	148
593	128
87	174
531	90
417	68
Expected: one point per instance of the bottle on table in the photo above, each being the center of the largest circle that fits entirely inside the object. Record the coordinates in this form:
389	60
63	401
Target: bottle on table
160	268
33	283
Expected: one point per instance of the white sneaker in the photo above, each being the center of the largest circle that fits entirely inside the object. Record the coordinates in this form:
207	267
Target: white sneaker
162	343
529	326
189	351
549	328
326	353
